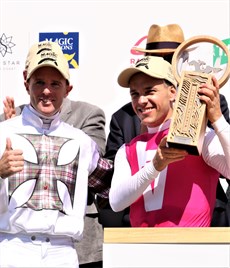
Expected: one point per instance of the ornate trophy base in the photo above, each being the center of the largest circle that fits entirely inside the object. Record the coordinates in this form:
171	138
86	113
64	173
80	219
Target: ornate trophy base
189	119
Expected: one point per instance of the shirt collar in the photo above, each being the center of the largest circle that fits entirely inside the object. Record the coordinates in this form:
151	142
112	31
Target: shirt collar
162	127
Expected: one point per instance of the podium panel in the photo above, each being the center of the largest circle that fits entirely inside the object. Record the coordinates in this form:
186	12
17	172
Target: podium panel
166	247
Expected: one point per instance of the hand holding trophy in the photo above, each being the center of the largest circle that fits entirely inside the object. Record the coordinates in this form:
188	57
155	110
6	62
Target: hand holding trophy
189	118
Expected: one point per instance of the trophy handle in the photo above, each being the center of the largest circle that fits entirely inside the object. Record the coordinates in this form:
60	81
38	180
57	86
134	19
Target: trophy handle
199	39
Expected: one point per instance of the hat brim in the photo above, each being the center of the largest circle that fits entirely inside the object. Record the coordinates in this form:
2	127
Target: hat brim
161	51
31	72
125	76
156	51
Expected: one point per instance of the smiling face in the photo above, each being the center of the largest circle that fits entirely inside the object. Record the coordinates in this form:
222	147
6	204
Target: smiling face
47	89
152	99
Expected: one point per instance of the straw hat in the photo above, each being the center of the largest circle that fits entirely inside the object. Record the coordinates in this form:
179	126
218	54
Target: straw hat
163	39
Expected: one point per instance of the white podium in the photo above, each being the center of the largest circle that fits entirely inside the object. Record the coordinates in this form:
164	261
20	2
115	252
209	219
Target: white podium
166	247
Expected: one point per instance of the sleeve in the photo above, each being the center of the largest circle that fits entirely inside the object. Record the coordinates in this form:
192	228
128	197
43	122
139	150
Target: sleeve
125	187
216	148
100	180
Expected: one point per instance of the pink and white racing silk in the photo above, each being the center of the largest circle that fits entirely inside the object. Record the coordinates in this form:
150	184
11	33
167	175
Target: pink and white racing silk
183	194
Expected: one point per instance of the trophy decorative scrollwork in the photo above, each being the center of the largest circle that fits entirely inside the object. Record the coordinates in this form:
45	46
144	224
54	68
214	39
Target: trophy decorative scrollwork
189	119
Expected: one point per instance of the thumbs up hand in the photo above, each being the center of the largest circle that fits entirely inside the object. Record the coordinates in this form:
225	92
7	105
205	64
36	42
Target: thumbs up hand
11	162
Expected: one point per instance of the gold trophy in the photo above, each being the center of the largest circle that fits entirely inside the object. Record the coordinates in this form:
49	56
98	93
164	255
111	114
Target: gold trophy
189	119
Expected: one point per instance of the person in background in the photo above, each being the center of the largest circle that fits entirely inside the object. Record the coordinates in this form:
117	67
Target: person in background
125	124
162	185
42	211
90	119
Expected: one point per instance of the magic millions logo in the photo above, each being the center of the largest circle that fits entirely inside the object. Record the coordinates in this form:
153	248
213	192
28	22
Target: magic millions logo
6	51
69	43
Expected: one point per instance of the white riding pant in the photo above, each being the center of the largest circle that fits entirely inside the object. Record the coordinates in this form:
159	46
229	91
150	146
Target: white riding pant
37	250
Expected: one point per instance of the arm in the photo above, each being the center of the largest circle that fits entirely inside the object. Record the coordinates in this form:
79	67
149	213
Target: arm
100	180
216	149
125	187
124	126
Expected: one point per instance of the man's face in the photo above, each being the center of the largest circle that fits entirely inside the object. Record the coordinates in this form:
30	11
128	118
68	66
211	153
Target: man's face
152	99
47	89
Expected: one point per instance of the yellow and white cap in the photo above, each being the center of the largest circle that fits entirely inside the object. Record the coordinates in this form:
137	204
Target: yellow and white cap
46	53
153	66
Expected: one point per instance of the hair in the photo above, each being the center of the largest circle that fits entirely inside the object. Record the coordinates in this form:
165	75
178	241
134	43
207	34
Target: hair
168	83
167	57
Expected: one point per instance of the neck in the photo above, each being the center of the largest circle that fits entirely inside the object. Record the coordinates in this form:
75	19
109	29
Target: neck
47	120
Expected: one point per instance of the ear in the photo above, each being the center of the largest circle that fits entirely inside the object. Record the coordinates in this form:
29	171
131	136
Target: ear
68	89
24	74
26	84
172	92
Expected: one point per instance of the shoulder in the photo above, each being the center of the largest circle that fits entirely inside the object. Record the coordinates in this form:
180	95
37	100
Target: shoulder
126	109
69	128
18	111
69	131
223	101
222	98
85	105
11	125
126	117
81	107
11	121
